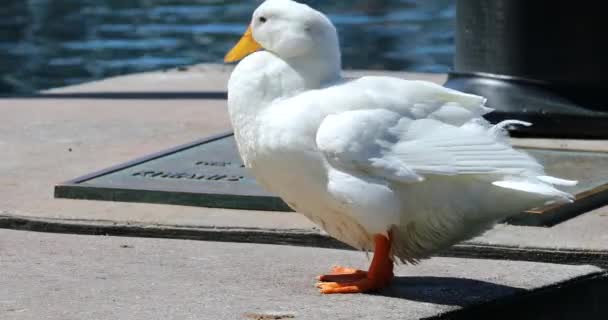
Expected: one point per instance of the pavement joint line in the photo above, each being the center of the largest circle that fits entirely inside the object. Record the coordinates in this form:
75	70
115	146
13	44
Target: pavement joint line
295	237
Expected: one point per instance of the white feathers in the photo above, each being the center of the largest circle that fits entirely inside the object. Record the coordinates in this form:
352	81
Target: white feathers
557	181
536	187
409	149
379	154
397	148
499	128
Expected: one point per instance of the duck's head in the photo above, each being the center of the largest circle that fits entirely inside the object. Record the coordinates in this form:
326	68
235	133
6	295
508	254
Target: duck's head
290	30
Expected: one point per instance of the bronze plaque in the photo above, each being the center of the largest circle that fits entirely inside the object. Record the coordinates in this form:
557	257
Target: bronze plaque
209	173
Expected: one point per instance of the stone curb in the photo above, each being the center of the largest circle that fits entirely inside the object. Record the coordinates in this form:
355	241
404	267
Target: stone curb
296	237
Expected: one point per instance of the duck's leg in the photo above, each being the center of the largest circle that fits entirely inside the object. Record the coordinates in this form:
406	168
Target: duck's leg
348	280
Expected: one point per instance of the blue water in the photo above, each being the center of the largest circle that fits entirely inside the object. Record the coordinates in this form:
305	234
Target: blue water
51	43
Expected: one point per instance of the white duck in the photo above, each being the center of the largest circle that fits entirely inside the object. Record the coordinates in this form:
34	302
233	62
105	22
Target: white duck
404	168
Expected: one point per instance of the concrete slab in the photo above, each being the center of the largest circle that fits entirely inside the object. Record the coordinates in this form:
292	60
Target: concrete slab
199	78
46	141
51	276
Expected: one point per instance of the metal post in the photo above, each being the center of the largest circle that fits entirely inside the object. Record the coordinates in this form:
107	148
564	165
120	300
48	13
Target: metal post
545	62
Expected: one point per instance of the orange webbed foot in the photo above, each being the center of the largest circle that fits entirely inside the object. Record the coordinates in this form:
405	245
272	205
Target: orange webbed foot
355	281
343	274
350	280
357	286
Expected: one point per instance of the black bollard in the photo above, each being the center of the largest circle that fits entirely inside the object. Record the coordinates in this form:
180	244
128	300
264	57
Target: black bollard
544	62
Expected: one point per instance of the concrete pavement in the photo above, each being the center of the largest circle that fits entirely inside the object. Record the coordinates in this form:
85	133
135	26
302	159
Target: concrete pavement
52	276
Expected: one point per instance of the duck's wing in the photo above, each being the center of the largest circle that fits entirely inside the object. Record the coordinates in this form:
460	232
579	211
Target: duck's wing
444	136
411	99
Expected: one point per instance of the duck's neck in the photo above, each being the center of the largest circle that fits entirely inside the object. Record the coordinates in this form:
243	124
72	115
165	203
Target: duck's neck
316	71
263	78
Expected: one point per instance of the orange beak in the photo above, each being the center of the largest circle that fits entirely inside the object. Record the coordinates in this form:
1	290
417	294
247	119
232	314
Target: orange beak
244	47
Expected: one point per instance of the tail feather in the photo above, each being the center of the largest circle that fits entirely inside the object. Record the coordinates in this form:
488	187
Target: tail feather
557	181
542	187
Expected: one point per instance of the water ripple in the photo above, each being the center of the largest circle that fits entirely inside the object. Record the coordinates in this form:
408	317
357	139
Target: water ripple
46	43
122	44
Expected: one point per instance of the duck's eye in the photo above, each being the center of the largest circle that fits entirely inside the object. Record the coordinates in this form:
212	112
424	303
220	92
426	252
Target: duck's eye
262	19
